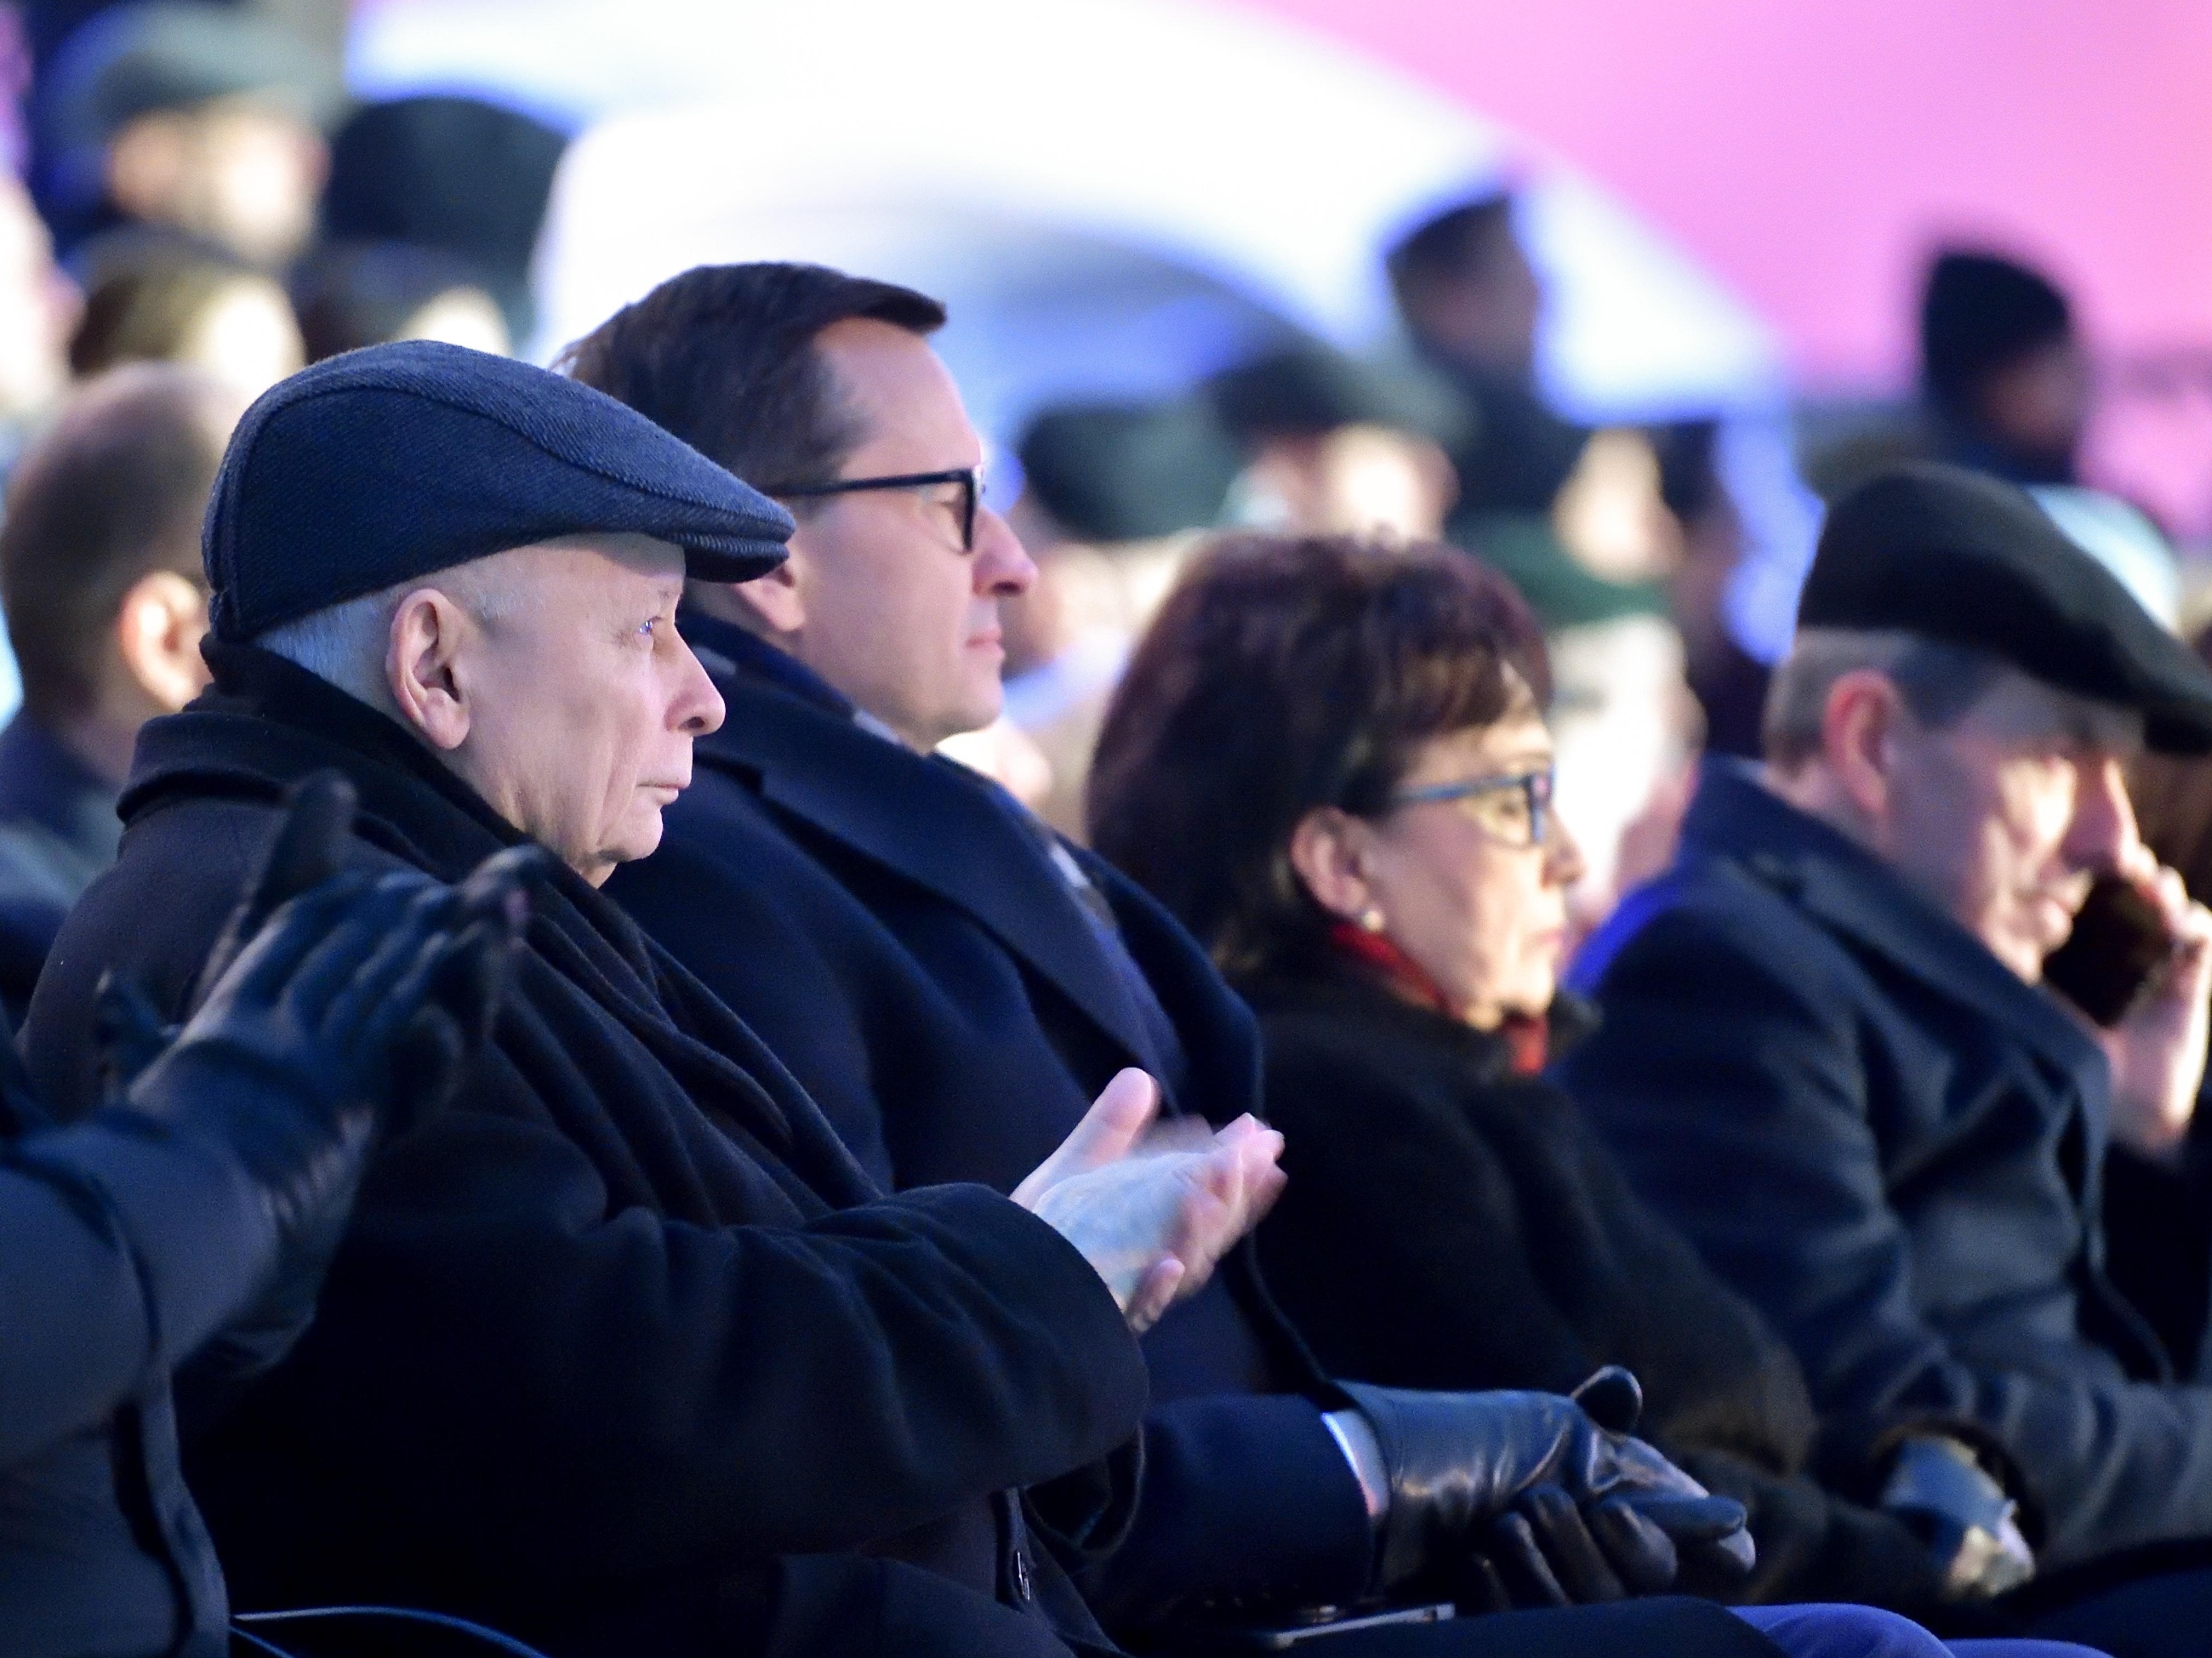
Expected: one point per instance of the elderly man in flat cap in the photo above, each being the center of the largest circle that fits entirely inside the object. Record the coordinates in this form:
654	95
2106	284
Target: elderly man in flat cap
1831	1052
623	1351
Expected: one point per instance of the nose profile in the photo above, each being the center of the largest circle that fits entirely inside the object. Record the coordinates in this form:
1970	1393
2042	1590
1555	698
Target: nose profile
2102	834
1563	855
697	710
1003	569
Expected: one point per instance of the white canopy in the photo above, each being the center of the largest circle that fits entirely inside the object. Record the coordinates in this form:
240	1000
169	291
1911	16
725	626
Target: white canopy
1114	197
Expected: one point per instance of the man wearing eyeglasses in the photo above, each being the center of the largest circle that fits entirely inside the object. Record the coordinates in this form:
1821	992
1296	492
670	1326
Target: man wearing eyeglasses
947	978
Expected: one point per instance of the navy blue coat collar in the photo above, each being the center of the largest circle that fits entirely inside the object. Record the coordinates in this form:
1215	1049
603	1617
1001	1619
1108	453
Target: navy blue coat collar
1852	893
797	740
42	782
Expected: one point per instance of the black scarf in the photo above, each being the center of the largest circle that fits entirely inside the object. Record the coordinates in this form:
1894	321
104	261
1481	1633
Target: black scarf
266	722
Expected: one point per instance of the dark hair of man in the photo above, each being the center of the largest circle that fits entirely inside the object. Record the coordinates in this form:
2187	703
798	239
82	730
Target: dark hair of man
1284	674
113	491
1449	246
724	357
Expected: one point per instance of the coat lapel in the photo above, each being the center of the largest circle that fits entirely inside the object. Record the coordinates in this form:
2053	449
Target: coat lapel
928	821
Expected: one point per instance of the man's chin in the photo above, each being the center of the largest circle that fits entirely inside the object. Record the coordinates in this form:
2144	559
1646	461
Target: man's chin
984	707
641	842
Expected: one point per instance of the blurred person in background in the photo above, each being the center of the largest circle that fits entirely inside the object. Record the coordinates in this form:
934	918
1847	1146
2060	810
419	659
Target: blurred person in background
1831	1054
1471	301
1305	438
454	175
1329	760
2006	386
1335	445
349	294
2005	377
1577	519
152	298
204	120
1114	495
2006	383
1727	681
107	603
39	310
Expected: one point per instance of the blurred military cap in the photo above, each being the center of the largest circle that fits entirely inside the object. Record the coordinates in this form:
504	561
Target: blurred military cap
1115	472
1311	389
132	60
1950	554
469	177
397	461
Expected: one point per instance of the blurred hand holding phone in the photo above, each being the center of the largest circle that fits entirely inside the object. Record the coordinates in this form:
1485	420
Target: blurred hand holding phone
2138	965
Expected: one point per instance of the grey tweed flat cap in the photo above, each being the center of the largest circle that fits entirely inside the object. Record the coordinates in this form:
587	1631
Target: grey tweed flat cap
395	462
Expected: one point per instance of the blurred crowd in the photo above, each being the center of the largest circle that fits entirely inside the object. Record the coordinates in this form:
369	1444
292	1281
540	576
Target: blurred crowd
1359	736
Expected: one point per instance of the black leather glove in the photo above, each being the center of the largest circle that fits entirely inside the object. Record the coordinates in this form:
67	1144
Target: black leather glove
1523	1498
307	850
348	1008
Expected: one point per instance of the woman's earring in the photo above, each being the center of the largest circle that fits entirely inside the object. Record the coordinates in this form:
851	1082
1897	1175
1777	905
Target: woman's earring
1371	918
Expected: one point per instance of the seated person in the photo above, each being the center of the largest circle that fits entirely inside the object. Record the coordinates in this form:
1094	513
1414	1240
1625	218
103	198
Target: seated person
203	120
206	1194
1329	758
949	979
99	577
2004	376
623	1351
155	297
349	294
1827	1054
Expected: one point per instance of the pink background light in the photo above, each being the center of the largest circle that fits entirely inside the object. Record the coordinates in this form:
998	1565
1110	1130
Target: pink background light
1812	154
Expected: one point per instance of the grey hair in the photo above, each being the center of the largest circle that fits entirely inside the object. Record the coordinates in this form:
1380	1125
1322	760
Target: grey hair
345	643
1938	683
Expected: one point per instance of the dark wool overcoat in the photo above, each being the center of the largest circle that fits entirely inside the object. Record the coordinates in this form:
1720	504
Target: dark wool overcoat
623	1351
1448	1225
122	1249
1892	1147
897	933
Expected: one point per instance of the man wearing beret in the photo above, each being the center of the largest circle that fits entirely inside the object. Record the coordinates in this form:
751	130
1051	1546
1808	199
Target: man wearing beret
1828	1050
948	979
623	1351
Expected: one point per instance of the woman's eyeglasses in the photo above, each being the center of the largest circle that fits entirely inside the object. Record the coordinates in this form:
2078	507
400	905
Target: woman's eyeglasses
1514	808
970	478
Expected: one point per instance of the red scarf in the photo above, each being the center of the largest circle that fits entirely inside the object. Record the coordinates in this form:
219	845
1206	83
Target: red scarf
1527	1036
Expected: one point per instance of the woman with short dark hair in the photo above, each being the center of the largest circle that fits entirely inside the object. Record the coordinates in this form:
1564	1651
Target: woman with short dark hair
1329	759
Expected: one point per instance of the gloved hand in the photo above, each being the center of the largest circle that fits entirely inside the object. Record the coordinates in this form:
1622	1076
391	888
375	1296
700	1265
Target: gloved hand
348	1008
1938	1487
1521	1498
305	852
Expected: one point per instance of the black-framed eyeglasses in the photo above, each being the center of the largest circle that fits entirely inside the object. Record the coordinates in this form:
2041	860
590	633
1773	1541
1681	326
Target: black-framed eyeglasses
1514	808
970	478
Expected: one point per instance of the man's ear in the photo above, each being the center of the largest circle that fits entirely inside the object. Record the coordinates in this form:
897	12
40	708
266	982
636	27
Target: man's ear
158	628
775	597
1328	853
427	632
1858	740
